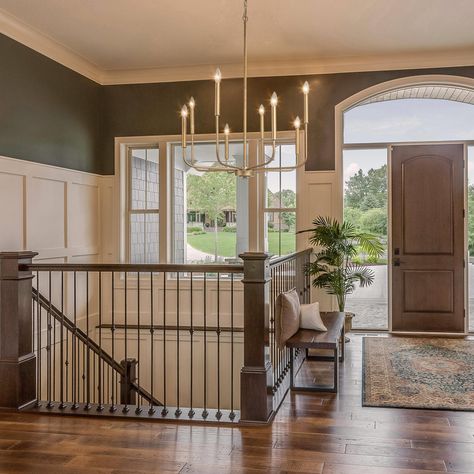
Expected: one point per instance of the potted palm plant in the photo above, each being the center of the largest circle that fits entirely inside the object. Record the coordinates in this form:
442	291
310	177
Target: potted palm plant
334	268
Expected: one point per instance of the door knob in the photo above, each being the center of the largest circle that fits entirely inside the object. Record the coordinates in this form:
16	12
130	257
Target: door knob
396	262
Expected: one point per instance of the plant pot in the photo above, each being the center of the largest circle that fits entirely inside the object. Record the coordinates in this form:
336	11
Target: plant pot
348	323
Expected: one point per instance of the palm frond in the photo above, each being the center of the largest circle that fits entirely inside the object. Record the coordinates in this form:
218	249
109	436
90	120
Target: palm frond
333	269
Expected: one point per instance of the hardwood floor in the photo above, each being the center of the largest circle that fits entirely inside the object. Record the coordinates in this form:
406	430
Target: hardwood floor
313	433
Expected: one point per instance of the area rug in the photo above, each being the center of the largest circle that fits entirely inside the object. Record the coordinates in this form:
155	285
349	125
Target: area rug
412	372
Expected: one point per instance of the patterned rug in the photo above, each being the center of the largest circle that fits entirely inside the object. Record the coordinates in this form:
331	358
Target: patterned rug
412	372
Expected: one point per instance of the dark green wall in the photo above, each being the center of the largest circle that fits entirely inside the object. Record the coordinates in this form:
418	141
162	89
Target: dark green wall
48	113
152	109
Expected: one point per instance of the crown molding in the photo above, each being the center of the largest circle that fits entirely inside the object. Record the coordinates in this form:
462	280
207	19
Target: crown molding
34	39
25	34
293	67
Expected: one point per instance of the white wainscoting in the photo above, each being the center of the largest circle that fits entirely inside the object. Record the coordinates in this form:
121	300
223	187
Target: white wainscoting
50	210
320	194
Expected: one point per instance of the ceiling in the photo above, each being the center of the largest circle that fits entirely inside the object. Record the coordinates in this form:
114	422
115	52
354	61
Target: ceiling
173	36
456	94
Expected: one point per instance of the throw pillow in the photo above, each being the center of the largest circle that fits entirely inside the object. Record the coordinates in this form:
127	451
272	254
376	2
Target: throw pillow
288	311
310	318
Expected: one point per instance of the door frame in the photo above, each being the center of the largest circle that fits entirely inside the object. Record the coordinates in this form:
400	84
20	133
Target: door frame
390	236
389	146
353	101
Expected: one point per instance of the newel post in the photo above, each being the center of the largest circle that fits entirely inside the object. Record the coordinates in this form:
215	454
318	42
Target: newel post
17	357
256	374
127	395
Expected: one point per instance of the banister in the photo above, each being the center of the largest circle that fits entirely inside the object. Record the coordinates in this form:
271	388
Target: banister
286	258
133	267
62	318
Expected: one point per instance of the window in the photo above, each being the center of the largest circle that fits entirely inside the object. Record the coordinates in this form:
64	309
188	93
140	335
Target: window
280	202
205	217
143	205
207	221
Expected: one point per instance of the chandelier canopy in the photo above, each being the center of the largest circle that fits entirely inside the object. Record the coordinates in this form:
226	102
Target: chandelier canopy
244	168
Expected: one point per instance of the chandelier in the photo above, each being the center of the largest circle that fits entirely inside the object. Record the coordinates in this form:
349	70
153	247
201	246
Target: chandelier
244	168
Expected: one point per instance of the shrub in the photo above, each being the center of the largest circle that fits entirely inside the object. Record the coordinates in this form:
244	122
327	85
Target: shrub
230	229
192	229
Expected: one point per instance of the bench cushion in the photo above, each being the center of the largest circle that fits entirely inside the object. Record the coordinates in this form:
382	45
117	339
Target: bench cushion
306	338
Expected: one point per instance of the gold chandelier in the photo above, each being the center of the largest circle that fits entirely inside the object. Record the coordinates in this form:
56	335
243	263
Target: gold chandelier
223	163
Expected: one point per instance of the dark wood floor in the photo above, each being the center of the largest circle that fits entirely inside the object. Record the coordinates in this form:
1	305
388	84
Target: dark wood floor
313	433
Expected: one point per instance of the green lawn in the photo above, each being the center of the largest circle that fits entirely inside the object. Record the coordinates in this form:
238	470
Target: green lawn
226	243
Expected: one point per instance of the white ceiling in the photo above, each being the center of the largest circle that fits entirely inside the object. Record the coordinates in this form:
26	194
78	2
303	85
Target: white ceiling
131	35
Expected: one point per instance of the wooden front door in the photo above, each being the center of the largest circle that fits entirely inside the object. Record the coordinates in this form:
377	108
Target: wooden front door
428	238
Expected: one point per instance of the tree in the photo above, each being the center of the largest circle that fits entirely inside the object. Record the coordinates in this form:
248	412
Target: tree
211	193
374	221
365	201
367	191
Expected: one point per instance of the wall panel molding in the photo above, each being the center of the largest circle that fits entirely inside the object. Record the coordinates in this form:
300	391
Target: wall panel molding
50	210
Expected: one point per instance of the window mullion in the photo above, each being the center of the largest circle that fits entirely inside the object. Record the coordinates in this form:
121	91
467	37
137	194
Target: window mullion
164	200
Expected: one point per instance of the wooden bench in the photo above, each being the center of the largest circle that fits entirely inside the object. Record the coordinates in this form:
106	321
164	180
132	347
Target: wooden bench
333	340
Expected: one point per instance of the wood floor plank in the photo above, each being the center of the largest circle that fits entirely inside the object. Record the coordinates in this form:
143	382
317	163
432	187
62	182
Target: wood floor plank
313	433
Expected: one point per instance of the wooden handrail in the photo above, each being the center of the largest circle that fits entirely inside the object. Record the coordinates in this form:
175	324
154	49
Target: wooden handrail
133	267
286	258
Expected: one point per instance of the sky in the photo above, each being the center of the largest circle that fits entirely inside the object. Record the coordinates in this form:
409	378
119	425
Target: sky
405	121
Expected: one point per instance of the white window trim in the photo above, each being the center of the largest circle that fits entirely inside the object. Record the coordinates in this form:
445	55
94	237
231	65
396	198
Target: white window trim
257	203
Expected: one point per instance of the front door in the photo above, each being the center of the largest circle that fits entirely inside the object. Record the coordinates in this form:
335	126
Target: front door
428	238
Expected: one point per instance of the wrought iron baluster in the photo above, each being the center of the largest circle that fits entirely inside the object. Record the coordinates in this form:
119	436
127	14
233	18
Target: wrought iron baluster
205	413
75	388
191	412
151	410
218	413
127	381
164	411
38	336
100	386
83	366
54	359
232	413
67	363
113	399
138	409
88	362
48	348
273	325
178	410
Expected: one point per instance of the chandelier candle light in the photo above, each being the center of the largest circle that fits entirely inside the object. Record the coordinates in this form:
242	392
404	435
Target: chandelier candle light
244	169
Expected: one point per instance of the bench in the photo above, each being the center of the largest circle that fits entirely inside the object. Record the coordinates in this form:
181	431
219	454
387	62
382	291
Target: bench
307	339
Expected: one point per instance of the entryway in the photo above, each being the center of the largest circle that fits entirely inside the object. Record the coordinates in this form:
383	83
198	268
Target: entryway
371	126
427	238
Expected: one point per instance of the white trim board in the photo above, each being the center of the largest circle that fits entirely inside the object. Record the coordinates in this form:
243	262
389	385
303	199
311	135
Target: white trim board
49	47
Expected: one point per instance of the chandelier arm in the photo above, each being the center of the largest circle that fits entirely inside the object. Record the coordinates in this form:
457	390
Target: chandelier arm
203	169
299	163
283	169
270	159
218	155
